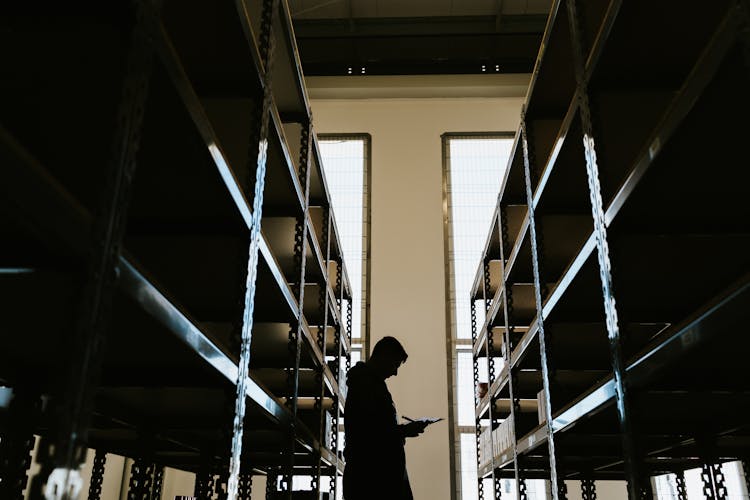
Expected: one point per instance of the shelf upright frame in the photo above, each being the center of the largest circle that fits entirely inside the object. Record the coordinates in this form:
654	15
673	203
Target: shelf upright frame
638	488
529	160
296	332
477	418
336	408
258	148
489	346
63	456
507	299
321	339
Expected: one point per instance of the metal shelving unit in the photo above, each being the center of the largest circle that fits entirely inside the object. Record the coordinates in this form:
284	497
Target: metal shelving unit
615	281
168	244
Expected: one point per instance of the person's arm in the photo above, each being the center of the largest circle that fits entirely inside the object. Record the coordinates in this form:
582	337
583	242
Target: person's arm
412	429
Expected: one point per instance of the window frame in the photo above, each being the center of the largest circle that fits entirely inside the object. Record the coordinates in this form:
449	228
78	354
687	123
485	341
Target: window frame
454	344
366	231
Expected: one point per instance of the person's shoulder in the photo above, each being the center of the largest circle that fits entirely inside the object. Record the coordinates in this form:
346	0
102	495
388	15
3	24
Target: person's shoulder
361	374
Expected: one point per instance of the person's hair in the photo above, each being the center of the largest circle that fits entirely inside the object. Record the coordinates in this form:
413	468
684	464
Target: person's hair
389	346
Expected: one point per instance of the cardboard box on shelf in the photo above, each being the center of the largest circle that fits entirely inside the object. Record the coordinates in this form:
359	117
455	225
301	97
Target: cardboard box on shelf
540	407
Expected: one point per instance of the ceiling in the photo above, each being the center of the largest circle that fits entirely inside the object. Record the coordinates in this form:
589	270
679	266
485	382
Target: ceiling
406	37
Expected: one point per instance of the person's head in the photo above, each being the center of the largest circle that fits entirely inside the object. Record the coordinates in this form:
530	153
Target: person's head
387	355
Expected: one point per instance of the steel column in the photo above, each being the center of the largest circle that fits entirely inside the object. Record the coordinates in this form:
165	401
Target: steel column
680	486
336	409
508	342
157	483
140	486
322	345
540	291
588	489
271	478
17	443
637	483
489	348
714	487
62	455
97	475
477	420
296	333
270	13
245	486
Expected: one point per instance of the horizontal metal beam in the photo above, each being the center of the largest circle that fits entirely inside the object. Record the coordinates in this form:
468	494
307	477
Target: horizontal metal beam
407	46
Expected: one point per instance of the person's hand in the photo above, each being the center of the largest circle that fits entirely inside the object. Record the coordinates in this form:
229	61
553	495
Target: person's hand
414	429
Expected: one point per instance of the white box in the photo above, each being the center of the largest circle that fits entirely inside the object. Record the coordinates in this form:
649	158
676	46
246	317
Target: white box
541	403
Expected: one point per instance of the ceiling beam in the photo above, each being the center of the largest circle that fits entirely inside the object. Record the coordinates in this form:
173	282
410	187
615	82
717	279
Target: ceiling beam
407	46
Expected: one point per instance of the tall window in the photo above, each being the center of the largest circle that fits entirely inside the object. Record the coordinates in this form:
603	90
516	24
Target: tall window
346	166
473	170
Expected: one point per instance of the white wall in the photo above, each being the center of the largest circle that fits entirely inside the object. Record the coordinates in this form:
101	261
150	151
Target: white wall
407	261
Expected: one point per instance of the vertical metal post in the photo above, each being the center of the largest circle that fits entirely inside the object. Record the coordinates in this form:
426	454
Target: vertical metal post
477	420
336	409
296	332
97	475
746	474
638	485
322	345
714	486
202	482
245	486
140	486
17	443
63	454
271	478
529	159
349	330
680	485
339	303
707	479
157	483
489	347
588	489
258	143
322	323
508	341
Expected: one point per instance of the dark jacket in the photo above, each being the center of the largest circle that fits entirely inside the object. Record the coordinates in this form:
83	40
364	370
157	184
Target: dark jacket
375	459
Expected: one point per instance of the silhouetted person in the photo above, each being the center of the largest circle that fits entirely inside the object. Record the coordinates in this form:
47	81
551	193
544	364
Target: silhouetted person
375	459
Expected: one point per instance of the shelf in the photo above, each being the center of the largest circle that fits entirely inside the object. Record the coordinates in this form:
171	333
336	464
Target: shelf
146	295
706	327
287	85
650	60
563	185
170	360
661	114
319	194
513	185
553	80
215	45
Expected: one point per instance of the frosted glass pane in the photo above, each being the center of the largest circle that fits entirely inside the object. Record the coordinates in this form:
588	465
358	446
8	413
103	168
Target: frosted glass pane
475	168
475	171
344	166
469	485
